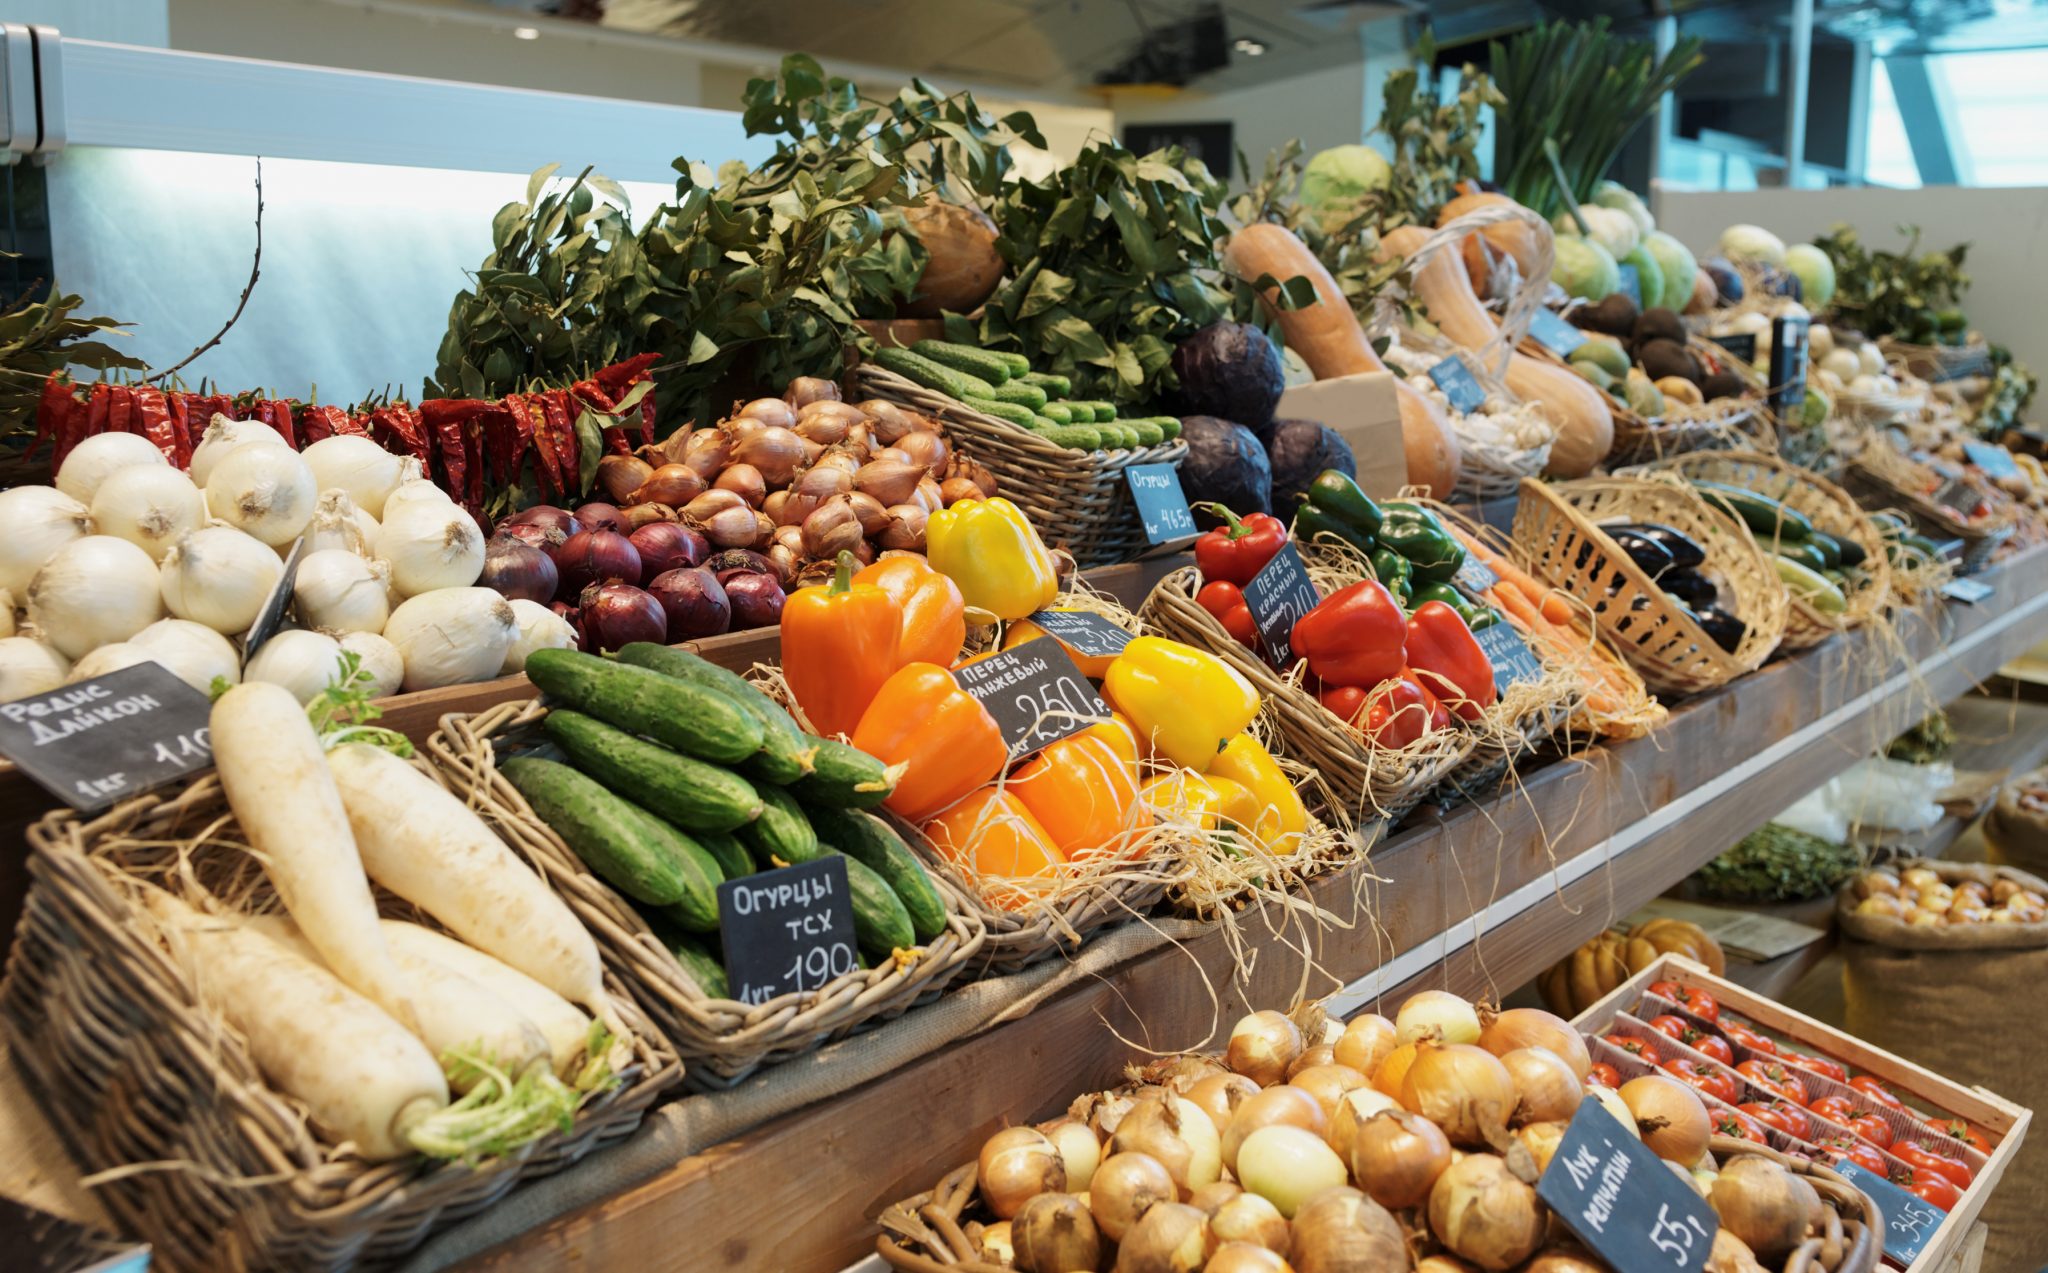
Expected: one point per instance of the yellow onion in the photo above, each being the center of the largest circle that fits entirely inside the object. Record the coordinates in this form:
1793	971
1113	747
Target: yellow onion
807	392
1610	1100
928	495
1219	1095
994	1241
905	531
890	481
1328	1084
1439	1015
1563	1259
1016	1165
1080	1151
1249	1218
1483	1213
1243	1257
873	518
890	421
1546	1090
1396	1156
1535	1028
1054	1233
1321	1054
1463	1089
955	489
1366	1042
1276	1105
1287	1166
1213	1195
1125	1187
1764	1205
1394	1070
621	475
1669	1116
1262	1046
1356	1107
1169	1238
1731	1255
1342	1231
1442	1264
1178	1133
1541	1140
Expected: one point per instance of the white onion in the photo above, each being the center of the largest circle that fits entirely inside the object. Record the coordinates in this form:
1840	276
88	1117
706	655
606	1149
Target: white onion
95	591
338	523
368	472
39	521
417	490
265	491
337	591
194	653
108	658
29	667
219	577
430	545
150	506
222	436
303	662
92	460
380	659
539	629
452	636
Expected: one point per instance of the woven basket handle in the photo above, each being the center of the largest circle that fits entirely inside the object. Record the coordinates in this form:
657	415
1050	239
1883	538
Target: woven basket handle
1522	306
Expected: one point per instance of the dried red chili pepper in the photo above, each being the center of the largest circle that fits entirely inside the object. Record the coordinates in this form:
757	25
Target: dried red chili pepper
354	424
555	405
521	425
397	428
621	376
647	419
593	396
318	423
121	409
53	408
547	465
444	419
152	419
277	413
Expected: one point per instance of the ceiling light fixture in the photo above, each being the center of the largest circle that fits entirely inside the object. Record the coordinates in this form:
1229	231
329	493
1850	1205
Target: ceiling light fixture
1248	46
526	33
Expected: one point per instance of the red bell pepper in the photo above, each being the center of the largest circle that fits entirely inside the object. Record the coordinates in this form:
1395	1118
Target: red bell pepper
1447	660
1226	601
1240	548
1354	636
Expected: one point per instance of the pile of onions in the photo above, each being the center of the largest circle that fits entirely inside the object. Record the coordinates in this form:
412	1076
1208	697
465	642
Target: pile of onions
150	505
219	577
1439	1015
540	628
222	436
366	472
1534	1028
1483	1213
431	544
303	662
1669	1116
1764	1205
341	592
27	666
1463	1089
98	457
452	636
92	592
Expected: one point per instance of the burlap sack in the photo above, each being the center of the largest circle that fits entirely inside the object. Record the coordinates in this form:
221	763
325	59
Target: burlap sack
1967	1003
2019	836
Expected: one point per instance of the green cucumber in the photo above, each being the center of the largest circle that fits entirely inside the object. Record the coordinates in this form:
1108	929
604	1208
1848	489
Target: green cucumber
1116	435
701	966
1018	364
1170	425
881	925
1149	433
726	850
1828	546
691	718
636	852
915	366
782	835
1054	386
1006	411
844	778
1057	413
1809	586
1075	437
1853	553
1101	410
1806	554
693	795
1763	516
1023	395
967	359
786	750
870	841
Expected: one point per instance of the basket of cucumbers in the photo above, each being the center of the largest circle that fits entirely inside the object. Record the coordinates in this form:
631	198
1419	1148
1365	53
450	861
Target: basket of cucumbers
640	784
1059	459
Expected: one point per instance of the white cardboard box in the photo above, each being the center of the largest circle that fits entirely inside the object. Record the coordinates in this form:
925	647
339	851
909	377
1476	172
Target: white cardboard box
1365	412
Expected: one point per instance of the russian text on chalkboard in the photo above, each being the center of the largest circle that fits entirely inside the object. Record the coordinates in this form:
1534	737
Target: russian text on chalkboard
1278	595
1630	284
787	930
1967	591
1995	460
1555	334
1035	693
1474	577
1740	345
1957	494
1083	631
1456	380
1162	507
1623	1201
96	742
1513	661
1908	1221
271	617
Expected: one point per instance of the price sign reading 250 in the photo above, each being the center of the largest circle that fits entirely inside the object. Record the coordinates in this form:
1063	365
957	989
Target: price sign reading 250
1035	693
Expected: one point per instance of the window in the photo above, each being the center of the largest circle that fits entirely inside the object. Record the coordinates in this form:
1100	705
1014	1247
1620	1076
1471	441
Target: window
1995	106
1888	156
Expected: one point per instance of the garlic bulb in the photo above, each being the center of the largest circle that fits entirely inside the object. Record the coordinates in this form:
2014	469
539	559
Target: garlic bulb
29	667
219	577
95	591
195	653
150	506
337	591
6	613
430	545
539	629
452	636
380	659
265	491
303	662
39	521
368	472
97	457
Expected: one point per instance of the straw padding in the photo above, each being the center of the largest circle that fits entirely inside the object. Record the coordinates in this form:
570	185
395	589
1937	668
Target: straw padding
1076	498
721	1040
1851	1238
134	1072
1830	509
1557	527
1369	783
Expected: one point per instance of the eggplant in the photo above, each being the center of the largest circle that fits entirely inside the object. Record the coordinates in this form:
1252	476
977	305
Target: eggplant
1686	553
1690	587
1641	549
1725	629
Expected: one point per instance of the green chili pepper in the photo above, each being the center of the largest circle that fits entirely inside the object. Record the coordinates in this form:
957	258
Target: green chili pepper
1475	615
1416	534
1309	521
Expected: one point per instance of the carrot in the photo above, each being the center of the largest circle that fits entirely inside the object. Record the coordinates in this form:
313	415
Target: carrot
1553	603
1604	691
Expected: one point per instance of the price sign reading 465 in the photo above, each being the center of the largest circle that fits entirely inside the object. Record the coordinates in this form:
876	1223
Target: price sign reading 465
1162	508
1623	1201
1035	693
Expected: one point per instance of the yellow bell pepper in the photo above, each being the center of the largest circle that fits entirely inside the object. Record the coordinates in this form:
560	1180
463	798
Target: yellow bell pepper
1186	704
1207	801
990	550
1281	816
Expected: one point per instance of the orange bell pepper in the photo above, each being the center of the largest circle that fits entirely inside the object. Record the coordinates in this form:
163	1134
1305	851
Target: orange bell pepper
1082	793
838	647
947	742
1121	737
993	835
934	614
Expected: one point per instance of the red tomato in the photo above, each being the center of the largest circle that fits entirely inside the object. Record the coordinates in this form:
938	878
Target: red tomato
1637	1048
1733	1122
1713	1045
1698	1002
1925	1161
1740	1033
1710	1079
1955	1131
1785	1117
1604	1074
1876	1091
1929	1187
1872	1128
1775	1079
1816	1065
1676	1027
1839	1110
1840	1148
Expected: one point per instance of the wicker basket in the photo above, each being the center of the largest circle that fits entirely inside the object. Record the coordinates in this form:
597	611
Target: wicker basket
1875	481
1370	784
1852	1238
109	1034
1829	508
1077	499
1556	528
720	1040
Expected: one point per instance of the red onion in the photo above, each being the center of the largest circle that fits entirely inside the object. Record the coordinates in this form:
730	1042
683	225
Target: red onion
534	535
694	601
756	598
518	569
616	614
666	546
546	516
595	516
596	556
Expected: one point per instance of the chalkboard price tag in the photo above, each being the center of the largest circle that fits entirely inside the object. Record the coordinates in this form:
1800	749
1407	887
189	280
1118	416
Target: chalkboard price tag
1083	631
788	930
1631	285
1555	334
1513	661
1958	495
1035	693
97	742
1995	460
1456	380
1623	1201
1740	345
1967	591
1908	1221
1162	507
1278	595
1474	577
1788	367
271	616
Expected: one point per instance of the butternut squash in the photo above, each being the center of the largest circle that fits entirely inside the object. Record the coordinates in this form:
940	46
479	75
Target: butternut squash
1516	238
1329	339
1585	427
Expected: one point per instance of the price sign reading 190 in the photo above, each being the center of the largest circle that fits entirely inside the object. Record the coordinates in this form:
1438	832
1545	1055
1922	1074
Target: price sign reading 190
786	931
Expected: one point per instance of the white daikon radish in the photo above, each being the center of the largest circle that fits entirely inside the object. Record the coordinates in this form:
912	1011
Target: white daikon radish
360	1074
565	1026
424	844
277	781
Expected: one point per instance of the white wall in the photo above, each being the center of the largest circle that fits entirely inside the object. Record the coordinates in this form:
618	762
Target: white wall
2007	230
1323	108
